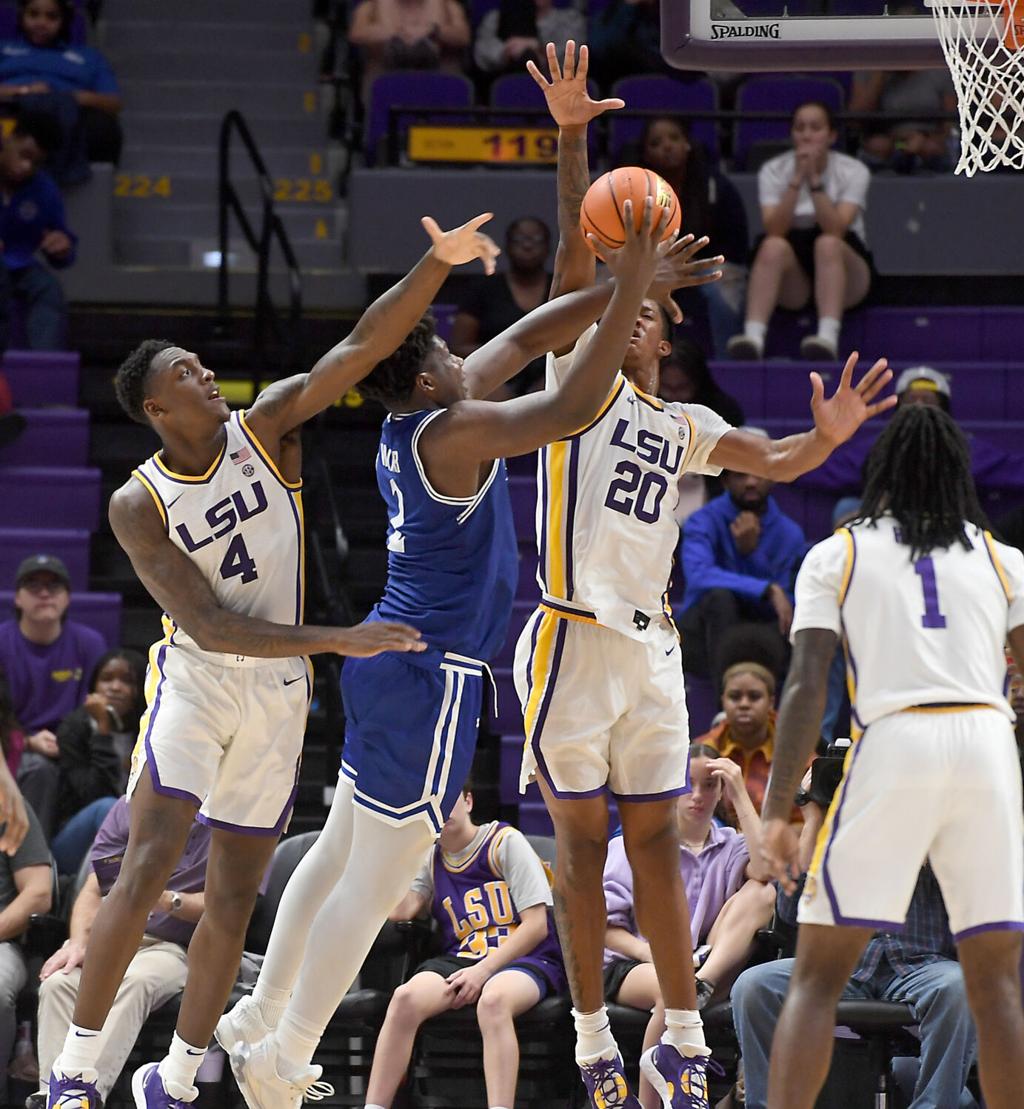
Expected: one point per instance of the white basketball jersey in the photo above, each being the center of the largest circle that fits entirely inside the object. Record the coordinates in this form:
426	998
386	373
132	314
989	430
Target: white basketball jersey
241	524
926	632
606	533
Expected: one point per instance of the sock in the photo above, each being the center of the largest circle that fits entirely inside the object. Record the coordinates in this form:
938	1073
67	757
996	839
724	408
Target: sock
594	1039
684	1030
755	330
180	1067
297	1040
272	1003
828	329
369	1106
81	1050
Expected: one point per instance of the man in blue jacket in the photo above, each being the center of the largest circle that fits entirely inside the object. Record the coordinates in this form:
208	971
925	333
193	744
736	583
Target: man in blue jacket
32	223
740	555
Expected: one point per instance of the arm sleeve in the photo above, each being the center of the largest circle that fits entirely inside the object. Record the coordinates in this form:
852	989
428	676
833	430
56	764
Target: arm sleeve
488	48
523	871
707	428
700	569
559	365
854	180
423	883
818	585
33	850
618	887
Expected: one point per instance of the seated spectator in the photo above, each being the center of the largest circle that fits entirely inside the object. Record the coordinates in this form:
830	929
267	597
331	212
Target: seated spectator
41	71
725	891
12	738
491	898
909	146
157	970
740	555
517	31
32	222
812	202
408	34
492	304
95	744
48	662
625	39
26	887
711	206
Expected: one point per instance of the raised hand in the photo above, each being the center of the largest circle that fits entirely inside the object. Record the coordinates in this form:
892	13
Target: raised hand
638	258
679	269
838	417
375	638
566	93
463	244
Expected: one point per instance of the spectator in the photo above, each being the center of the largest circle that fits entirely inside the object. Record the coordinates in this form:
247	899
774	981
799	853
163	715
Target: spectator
625	39
517	31
711	206
912	145
408	34
740	555
95	745
728	901
157	970
812	206
490	305
32	220
490	897
42	72
12	738
48	661
26	887
12	423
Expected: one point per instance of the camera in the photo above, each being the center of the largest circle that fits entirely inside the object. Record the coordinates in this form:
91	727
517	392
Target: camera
827	773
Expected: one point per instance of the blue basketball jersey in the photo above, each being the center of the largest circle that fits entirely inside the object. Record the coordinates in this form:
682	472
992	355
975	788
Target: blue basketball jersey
452	561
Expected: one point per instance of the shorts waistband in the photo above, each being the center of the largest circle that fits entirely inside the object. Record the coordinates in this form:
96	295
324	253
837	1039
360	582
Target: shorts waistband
566	610
949	706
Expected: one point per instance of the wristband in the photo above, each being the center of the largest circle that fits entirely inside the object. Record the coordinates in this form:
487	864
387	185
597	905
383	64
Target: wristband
175	902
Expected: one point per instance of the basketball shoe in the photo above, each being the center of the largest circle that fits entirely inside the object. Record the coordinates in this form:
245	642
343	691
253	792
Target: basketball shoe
256	1068
242	1024
606	1084
149	1091
679	1080
74	1091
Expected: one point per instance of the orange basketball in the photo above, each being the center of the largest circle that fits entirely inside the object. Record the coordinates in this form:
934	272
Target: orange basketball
601	214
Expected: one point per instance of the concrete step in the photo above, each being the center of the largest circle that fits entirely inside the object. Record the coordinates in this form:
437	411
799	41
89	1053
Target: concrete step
201	61
281	12
194	129
256	98
178	253
128	35
202	188
144	218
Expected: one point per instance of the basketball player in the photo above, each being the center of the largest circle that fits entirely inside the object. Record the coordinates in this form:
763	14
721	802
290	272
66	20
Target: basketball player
924	599
598	667
452	561
213	526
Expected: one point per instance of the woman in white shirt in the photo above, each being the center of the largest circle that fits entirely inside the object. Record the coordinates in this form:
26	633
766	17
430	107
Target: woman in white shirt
812	207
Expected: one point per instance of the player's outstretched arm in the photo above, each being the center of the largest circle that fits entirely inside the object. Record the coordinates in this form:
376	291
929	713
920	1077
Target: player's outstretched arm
177	585
287	404
836	418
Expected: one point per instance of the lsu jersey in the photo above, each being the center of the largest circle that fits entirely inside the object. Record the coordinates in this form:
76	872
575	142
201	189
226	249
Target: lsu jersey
241	524
917	633
453	562
606	531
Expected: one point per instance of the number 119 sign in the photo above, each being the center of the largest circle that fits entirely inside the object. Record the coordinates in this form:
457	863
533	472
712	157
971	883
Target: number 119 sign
516	145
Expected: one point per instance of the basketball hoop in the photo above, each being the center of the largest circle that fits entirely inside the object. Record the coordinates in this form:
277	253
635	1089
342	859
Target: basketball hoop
984	47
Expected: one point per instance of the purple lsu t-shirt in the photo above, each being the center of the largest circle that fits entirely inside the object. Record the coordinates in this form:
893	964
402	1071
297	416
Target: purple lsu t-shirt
47	683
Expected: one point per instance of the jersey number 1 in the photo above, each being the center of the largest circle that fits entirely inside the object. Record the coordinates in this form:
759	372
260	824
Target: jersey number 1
925	570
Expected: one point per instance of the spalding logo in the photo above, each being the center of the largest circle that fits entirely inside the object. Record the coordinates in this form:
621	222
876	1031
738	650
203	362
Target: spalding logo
663	197
746	31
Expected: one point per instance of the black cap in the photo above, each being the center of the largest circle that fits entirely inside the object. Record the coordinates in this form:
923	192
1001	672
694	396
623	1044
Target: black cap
42	564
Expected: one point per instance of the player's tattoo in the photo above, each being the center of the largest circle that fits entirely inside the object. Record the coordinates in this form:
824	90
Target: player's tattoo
573	182
567	937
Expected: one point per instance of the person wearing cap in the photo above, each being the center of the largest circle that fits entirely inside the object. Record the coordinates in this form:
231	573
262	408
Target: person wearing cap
48	661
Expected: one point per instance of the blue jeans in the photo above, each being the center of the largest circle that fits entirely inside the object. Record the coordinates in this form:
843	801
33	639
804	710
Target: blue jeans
45	311
934	991
71	843
834	697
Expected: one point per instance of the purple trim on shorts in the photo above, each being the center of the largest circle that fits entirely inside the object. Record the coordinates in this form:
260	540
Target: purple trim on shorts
837	916
663	796
248	830
537	617
538	730
154	773
543	985
570	514
995	926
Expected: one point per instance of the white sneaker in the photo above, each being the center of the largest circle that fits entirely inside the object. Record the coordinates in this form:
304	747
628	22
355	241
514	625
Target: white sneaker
743	348
255	1067
816	348
242	1024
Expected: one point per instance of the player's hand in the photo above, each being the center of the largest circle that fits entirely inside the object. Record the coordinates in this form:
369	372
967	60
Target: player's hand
746	532
780	850
464	243
783	606
566	93
636	261
65	959
365	640
13	816
466	984
838	417
679	269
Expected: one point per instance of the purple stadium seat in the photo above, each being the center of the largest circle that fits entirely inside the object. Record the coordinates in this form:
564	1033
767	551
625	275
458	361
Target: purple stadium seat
53	437
523	492
521	612
71	546
527	589
41	377
1001	330
510	717
702	703
777	94
667	94
924	334
444	316
416	89
63	496
101	611
746	382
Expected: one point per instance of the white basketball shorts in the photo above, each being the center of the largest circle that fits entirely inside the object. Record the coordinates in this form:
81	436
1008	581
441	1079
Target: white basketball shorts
941	785
227	738
602	711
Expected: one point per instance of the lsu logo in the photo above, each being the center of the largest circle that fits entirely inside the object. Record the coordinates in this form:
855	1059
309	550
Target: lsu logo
225	516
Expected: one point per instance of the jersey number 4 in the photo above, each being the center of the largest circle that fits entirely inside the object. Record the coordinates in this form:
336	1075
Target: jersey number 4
237	563
925	570
636	493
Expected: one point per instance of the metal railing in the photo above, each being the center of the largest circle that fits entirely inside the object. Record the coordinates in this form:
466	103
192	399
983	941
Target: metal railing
260	236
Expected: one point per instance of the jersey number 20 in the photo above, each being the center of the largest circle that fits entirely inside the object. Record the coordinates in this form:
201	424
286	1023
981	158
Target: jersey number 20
635	492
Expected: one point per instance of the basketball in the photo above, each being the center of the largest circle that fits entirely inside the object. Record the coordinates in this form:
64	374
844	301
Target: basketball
601	214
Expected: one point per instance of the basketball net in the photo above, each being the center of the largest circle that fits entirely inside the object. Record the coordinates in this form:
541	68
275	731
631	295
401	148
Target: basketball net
984	47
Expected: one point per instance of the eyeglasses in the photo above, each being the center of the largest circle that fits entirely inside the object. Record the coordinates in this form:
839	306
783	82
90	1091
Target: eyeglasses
43	585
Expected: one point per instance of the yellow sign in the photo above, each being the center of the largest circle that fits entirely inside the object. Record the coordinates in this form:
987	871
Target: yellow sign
523	145
141	185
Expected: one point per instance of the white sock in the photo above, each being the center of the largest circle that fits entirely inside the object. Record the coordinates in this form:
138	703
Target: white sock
180	1066
828	329
755	330
368	1105
297	1041
684	1030
272	1003
594	1039
81	1050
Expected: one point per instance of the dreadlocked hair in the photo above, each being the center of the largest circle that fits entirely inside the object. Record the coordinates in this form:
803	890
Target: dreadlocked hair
393	380
919	471
130	380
